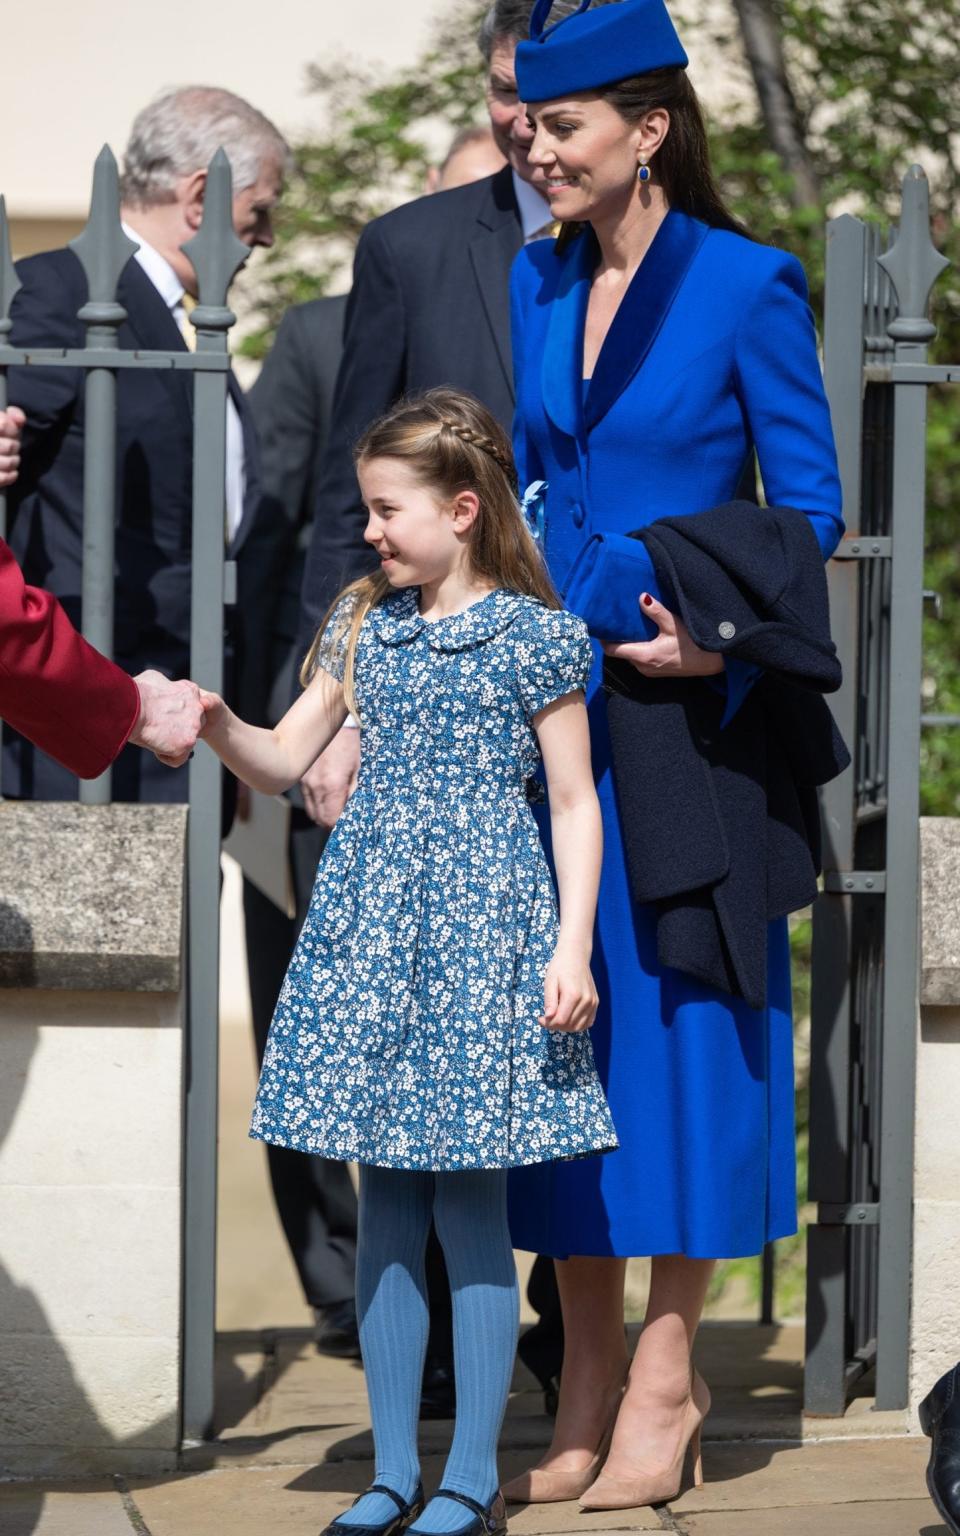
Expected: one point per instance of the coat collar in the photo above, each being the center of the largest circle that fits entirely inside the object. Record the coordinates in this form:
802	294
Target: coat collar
397	620
635	326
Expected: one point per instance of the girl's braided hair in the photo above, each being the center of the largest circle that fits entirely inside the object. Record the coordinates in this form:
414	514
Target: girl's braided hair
486	444
453	444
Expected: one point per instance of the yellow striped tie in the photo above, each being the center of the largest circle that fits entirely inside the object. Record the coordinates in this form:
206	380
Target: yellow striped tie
188	331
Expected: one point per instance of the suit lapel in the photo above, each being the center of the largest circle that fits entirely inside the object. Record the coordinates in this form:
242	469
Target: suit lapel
562	366
495	243
154	328
643	309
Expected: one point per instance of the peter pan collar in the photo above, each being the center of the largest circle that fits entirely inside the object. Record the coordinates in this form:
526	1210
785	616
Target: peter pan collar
398	619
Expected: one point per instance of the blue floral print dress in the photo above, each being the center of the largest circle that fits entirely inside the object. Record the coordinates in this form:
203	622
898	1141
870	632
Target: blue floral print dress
406	1034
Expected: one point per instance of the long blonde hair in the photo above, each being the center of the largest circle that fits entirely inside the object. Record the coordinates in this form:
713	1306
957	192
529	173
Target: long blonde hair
453	444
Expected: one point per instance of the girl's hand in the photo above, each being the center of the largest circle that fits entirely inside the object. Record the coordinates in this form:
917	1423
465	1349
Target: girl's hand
569	995
214	712
672	653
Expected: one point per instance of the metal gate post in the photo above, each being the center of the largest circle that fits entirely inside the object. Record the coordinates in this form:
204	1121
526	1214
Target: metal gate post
103	251
830	1003
913	266
216	254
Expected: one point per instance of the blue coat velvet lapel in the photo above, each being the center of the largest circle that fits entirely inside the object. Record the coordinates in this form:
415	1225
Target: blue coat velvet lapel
642	311
562	367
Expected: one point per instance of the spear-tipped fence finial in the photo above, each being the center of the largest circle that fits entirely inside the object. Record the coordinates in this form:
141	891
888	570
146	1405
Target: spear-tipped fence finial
215	251
913	262
102	247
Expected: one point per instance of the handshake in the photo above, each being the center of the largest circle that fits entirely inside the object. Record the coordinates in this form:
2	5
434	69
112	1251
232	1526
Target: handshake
172	717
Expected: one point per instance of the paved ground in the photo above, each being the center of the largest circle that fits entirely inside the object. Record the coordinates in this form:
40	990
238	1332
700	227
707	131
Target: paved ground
294	1445
293	1436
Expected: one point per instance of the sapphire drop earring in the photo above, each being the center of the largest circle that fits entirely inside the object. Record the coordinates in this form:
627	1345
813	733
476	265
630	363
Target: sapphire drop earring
643	173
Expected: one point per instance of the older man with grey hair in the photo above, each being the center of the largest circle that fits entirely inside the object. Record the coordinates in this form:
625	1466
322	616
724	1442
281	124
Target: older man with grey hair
162	192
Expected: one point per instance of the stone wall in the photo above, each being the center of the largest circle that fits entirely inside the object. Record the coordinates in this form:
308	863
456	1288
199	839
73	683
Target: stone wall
935	1305
91	1091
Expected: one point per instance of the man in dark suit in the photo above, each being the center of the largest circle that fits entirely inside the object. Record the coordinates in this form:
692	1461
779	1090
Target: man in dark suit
429	306
162	194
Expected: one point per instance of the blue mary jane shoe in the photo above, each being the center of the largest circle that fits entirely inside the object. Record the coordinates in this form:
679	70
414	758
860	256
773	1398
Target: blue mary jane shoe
399	1522
491	1521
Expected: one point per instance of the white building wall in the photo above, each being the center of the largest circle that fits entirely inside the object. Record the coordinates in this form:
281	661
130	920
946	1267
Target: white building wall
78	73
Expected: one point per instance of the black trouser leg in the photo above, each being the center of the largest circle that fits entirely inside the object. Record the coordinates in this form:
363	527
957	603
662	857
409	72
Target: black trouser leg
541	1347
440	1342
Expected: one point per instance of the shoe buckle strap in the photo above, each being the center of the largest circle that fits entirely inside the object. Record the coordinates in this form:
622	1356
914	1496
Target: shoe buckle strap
391	1493
485	1515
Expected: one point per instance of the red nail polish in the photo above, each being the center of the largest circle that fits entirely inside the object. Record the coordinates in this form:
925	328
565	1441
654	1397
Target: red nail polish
647	600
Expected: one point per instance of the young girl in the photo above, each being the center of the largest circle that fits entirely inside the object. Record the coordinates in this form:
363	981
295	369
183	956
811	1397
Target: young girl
431	1025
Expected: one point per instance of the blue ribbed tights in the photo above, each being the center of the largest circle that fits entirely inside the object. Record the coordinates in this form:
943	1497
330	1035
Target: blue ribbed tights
470	1212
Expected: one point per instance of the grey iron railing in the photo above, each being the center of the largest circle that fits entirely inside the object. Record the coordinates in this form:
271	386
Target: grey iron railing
103	251
865	932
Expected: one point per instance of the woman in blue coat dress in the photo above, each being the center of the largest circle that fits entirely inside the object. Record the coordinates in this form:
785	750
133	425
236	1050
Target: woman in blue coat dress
656	348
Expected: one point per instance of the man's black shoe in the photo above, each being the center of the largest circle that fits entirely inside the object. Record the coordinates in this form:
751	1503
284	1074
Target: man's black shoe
438	1396
337	1330
940	1419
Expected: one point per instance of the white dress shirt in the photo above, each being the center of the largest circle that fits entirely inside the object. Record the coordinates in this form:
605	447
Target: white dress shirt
535	212
170	289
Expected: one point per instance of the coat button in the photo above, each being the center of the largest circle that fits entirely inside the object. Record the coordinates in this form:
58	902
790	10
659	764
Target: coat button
727	630
576	512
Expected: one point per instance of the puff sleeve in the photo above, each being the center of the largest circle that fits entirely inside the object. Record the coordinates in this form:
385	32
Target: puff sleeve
554	657
331	653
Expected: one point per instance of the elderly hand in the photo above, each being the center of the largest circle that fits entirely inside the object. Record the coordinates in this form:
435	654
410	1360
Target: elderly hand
11	424
171	717
672	653
328	785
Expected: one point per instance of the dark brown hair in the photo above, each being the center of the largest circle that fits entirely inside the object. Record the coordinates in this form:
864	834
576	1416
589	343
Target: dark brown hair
682	163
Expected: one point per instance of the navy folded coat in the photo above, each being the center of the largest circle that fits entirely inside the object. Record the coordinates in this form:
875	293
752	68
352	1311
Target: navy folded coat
721	825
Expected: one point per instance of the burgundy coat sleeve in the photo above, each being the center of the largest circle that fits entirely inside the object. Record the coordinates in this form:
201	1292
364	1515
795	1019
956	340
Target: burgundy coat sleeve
55	688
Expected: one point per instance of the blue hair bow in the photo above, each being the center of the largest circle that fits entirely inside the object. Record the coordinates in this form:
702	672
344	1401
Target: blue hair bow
533	508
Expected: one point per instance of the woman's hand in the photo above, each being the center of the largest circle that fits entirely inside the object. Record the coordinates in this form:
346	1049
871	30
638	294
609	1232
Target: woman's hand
569	995
672	653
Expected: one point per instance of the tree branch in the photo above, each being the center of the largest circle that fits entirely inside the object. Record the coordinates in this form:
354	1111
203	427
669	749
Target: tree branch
764	49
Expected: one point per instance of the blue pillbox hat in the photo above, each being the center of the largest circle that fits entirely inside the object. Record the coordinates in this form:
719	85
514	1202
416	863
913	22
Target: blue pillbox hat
592	48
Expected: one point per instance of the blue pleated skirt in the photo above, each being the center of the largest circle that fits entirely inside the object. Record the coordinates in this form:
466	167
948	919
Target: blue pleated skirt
700	1087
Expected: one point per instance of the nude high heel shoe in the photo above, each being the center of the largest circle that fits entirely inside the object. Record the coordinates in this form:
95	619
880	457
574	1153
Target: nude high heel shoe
540	1485
658	1487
